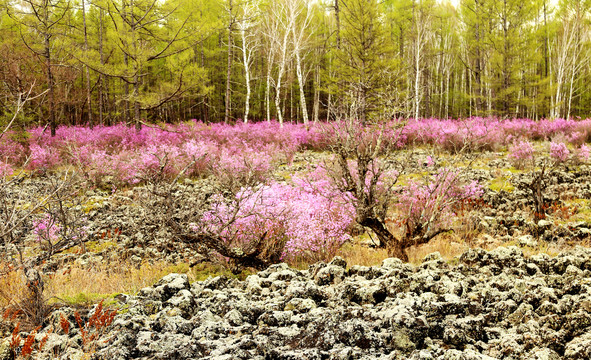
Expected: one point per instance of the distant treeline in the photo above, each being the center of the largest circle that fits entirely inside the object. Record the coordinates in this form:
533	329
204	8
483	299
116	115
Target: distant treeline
107	61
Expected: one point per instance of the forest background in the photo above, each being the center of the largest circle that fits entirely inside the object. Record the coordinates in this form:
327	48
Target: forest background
109	61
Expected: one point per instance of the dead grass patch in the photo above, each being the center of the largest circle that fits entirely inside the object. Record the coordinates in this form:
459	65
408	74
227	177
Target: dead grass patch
447	245
357	254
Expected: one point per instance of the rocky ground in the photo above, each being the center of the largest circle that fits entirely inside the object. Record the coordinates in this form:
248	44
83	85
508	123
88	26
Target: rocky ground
498	304
487	305
504	216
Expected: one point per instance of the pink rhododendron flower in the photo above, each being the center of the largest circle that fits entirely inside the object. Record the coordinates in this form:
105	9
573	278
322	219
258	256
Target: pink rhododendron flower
559	152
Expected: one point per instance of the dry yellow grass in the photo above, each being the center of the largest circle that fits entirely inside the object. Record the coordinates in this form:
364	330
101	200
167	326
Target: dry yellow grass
80	285
447	245
356	254
12	288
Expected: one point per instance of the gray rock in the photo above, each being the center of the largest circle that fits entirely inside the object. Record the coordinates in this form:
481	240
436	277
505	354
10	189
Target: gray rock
331	274
495	304
5	350
579	347
543	354
527	240
300	305
169	285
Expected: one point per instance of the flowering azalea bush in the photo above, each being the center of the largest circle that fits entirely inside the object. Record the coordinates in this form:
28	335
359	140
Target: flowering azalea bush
5	169
583	153
297	219
559	152
46	228
521	153
129	156
429	207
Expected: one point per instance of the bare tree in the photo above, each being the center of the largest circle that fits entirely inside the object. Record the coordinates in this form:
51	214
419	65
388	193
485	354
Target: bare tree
44	207
44	18
230	8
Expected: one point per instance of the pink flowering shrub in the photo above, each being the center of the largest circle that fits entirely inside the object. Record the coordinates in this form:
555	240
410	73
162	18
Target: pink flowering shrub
521	153
559	152
304	223
5	169
127	156
51	230
46	229
43	158
427	208
577	138
583	153
11	151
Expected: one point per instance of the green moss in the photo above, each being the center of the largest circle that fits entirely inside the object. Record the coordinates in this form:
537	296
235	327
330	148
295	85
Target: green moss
583	209
514	170
405	179
203	271
453	261
180	268
87	299
97	246
92	204
501	184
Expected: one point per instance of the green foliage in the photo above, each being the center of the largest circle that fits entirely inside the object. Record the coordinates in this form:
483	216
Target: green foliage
169	61
364	63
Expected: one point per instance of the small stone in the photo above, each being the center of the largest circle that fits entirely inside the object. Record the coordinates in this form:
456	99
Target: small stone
527	240
5	350
544	224
300	305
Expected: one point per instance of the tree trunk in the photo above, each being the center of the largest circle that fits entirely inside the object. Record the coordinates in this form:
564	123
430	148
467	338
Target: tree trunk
101	79
229	68
316	94
280	73
50	86
268	88
246	62
136	103
478	66
395	247
88	94
301	86
338	21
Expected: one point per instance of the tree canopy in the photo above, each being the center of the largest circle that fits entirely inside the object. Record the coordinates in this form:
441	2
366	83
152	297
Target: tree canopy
108	61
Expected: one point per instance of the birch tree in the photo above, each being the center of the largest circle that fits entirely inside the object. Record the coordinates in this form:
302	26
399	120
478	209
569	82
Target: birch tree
421	36
250	43
301	33
282	13
569	56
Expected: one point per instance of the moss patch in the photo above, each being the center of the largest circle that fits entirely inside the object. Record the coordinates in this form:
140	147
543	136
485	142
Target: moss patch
501	184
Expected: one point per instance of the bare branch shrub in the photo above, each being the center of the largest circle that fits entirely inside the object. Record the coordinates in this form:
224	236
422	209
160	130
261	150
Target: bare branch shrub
366	175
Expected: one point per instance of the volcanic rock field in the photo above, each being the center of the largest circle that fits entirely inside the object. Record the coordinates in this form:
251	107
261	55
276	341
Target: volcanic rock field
487	305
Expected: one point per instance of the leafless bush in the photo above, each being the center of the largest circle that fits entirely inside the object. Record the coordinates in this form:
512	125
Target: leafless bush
38	219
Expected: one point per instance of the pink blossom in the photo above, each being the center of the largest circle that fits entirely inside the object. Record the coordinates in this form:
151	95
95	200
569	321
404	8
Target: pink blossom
559	152
583	153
